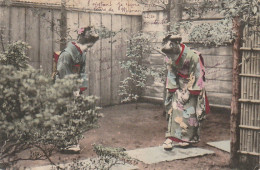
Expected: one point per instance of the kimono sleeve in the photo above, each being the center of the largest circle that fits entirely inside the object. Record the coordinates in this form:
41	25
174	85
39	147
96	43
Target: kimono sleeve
64	65
197	73
83	74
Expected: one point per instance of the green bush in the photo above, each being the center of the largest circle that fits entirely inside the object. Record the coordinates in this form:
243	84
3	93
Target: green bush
139	47
15	55
34	112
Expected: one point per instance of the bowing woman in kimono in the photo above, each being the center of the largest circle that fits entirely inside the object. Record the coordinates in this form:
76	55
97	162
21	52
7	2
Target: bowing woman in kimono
72	60
186	101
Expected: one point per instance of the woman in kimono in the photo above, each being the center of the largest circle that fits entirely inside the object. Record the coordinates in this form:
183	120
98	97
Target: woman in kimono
186	101
72	60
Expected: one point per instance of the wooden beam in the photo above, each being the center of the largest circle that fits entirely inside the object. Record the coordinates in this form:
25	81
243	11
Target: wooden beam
235	108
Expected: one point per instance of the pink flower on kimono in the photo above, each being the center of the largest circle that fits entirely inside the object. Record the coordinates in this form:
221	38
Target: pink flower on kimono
166	59
80	31
180	106
177	105
201	83
193	122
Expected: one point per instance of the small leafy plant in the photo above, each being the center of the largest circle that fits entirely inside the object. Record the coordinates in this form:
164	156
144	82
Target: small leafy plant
139	46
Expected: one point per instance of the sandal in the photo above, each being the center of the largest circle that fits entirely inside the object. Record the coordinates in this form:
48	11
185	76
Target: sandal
184	144
167	145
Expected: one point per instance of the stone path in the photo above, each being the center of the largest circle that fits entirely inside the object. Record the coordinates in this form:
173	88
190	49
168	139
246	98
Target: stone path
148	156
158	154
222	145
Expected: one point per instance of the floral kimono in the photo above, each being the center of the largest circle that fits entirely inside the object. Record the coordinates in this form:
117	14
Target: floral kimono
186	101
72	60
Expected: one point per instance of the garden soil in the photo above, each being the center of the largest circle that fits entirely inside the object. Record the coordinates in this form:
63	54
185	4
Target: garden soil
130	128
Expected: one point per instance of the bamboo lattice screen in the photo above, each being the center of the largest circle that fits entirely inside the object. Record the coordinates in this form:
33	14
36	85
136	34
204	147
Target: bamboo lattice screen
250	97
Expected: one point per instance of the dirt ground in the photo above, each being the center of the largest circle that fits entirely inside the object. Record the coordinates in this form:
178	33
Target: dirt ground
130	128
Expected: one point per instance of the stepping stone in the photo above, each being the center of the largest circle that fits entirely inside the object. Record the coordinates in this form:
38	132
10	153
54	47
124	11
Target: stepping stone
85	162
222	145
158	154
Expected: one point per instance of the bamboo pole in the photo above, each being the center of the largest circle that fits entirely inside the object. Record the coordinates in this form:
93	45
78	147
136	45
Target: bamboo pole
242	113
254	89
242	87
247	140
258	119
258	89
255	142
253	115
249	101
244	131
258	63
250	153
250	114
244	140
250	87
249	127
250	141
256	113
242	123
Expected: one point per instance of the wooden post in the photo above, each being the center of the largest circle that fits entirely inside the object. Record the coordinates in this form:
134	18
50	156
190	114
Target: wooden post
63	25
235	112
175	11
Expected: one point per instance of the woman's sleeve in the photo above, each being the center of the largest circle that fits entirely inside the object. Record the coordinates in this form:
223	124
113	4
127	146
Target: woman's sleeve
83	74
64	64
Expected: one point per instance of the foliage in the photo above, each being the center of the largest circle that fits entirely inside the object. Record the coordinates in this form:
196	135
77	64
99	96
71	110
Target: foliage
107	158
182	25
105	33
35	113
221	32
209	34
15	55
139	45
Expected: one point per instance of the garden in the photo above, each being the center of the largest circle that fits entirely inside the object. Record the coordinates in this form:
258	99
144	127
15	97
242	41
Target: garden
123	109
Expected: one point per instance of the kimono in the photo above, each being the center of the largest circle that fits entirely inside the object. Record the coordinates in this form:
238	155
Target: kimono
72	60
186	101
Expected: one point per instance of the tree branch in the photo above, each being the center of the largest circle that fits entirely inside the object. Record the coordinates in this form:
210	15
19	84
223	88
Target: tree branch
46	155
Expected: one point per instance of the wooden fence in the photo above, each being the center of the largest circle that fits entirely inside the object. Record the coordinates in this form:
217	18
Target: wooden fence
250	99
39	26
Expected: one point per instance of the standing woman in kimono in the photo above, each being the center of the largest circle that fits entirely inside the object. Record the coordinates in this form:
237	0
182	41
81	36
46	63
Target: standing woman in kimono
186	101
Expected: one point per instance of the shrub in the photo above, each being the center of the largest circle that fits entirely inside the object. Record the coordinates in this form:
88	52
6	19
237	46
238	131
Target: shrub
139	46
34	112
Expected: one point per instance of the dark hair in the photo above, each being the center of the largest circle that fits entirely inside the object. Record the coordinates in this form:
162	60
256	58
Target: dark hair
84	31
85	35
173	38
